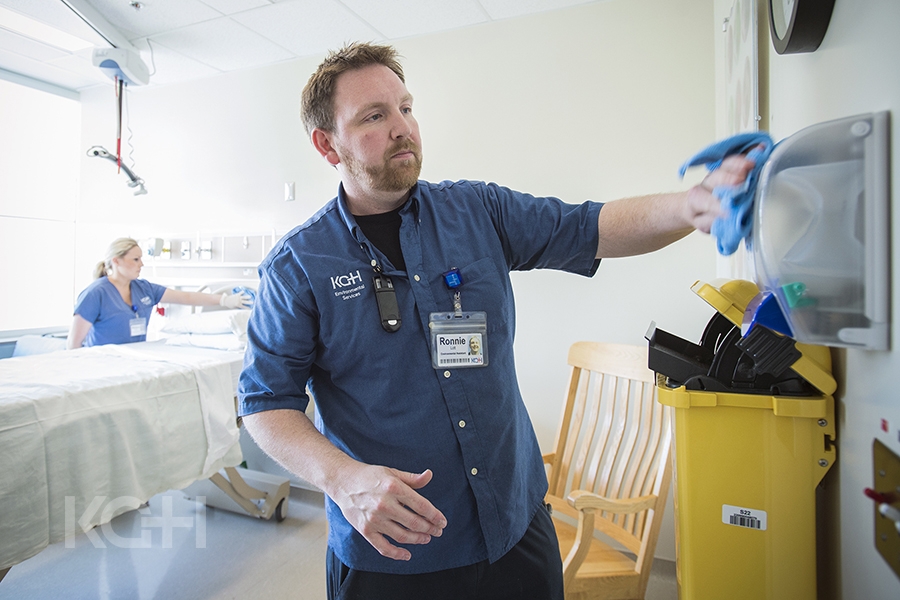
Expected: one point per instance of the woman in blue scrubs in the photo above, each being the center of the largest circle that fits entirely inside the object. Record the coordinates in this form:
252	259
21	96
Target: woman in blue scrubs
116	307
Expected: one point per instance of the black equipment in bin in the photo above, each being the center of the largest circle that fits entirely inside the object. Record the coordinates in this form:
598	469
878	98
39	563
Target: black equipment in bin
724	361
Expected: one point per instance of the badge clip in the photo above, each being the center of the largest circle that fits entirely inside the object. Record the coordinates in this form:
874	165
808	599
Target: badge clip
386	297
453	280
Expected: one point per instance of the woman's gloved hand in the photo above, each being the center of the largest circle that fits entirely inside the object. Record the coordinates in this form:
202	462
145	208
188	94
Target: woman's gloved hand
239	300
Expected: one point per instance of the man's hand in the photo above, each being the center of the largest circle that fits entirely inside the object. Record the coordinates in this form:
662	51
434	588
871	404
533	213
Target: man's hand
379	502
382	503
702	207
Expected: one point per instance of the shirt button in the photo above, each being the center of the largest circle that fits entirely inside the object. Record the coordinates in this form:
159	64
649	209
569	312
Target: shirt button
446	373
474	471
462	423
416	277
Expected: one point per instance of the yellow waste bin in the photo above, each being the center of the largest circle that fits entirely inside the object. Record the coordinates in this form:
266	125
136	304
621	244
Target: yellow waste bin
754	433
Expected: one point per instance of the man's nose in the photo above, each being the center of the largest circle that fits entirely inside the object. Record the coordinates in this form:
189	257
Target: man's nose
400	127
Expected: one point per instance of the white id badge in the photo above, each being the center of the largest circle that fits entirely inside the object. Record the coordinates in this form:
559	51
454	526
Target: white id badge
458	340
138	326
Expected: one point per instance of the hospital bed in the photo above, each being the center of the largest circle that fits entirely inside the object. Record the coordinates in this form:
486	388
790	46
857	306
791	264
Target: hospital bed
88	434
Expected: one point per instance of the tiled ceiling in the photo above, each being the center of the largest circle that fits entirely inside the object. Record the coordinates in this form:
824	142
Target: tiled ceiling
182	40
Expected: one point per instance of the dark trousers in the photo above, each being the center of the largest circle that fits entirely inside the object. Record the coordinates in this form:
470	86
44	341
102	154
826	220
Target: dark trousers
532	570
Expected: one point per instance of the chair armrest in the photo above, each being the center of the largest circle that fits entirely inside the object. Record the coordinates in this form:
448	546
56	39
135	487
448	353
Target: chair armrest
548	458
581	500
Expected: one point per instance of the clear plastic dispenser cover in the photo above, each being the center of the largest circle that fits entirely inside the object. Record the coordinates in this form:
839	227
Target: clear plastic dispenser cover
820	231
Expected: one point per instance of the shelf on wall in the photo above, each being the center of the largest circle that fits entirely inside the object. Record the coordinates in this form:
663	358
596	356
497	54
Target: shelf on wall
207	249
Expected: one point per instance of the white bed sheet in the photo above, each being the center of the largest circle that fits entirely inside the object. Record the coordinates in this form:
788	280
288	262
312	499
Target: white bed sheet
112	422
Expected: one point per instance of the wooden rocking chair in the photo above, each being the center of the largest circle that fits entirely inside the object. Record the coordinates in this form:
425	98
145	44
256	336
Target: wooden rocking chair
610	472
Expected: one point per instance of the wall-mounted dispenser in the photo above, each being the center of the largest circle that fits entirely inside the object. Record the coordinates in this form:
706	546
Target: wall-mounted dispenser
821	232
152	247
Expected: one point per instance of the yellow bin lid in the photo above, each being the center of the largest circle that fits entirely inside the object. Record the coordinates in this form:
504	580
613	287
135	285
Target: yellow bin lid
731	298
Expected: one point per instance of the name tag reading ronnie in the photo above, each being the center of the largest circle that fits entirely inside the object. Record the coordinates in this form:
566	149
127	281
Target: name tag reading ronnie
458	339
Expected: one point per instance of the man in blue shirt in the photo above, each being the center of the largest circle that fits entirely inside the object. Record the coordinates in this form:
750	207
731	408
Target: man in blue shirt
424	448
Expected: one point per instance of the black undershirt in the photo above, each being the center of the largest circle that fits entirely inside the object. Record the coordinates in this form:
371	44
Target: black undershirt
383	230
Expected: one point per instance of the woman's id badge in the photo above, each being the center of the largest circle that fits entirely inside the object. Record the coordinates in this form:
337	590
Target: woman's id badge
458	339
138	326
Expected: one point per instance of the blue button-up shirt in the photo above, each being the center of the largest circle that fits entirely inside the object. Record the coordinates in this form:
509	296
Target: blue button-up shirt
378	398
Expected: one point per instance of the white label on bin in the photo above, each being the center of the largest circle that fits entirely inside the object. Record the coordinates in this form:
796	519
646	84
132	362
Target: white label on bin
744	517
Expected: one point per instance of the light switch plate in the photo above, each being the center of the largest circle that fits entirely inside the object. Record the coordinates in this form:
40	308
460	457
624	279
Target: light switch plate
886	480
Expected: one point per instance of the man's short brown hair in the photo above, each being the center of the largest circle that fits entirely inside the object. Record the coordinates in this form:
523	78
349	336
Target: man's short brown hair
317	99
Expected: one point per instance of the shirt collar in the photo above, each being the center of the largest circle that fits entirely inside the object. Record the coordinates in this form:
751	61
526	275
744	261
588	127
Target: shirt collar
412	204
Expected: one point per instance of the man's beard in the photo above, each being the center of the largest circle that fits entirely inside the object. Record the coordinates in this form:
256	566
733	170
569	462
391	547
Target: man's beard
388	177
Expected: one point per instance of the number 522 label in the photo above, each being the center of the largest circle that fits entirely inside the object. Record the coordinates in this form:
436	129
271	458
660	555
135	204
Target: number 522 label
744	517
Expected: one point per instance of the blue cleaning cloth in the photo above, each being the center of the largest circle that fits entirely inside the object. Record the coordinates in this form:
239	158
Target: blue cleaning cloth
737	201
250	293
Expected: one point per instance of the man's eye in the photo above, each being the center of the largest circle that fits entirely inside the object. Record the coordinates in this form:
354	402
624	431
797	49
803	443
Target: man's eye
374	117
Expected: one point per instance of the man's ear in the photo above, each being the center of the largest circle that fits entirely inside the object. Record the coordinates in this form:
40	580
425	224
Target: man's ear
321	139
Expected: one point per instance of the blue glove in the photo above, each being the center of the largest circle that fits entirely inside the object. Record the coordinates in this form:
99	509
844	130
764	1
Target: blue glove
737	201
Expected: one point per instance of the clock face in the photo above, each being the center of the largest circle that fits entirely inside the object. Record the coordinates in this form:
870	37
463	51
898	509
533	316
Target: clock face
782	11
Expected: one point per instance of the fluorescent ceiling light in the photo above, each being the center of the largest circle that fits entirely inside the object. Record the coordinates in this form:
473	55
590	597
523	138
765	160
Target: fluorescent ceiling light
19	23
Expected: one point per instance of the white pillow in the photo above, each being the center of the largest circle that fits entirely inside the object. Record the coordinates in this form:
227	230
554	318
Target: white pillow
212	322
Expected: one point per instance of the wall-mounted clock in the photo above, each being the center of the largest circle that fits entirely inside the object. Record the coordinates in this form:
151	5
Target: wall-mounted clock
798	25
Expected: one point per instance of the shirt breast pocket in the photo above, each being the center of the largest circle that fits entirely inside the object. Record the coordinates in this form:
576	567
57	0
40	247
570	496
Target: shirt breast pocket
485	288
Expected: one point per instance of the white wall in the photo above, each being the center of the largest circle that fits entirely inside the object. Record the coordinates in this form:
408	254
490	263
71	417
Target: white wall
594	102
854	71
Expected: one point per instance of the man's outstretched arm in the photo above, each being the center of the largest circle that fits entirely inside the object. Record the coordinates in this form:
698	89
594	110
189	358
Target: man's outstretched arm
642	224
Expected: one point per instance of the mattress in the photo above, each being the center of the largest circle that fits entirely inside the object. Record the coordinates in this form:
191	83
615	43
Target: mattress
88	434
